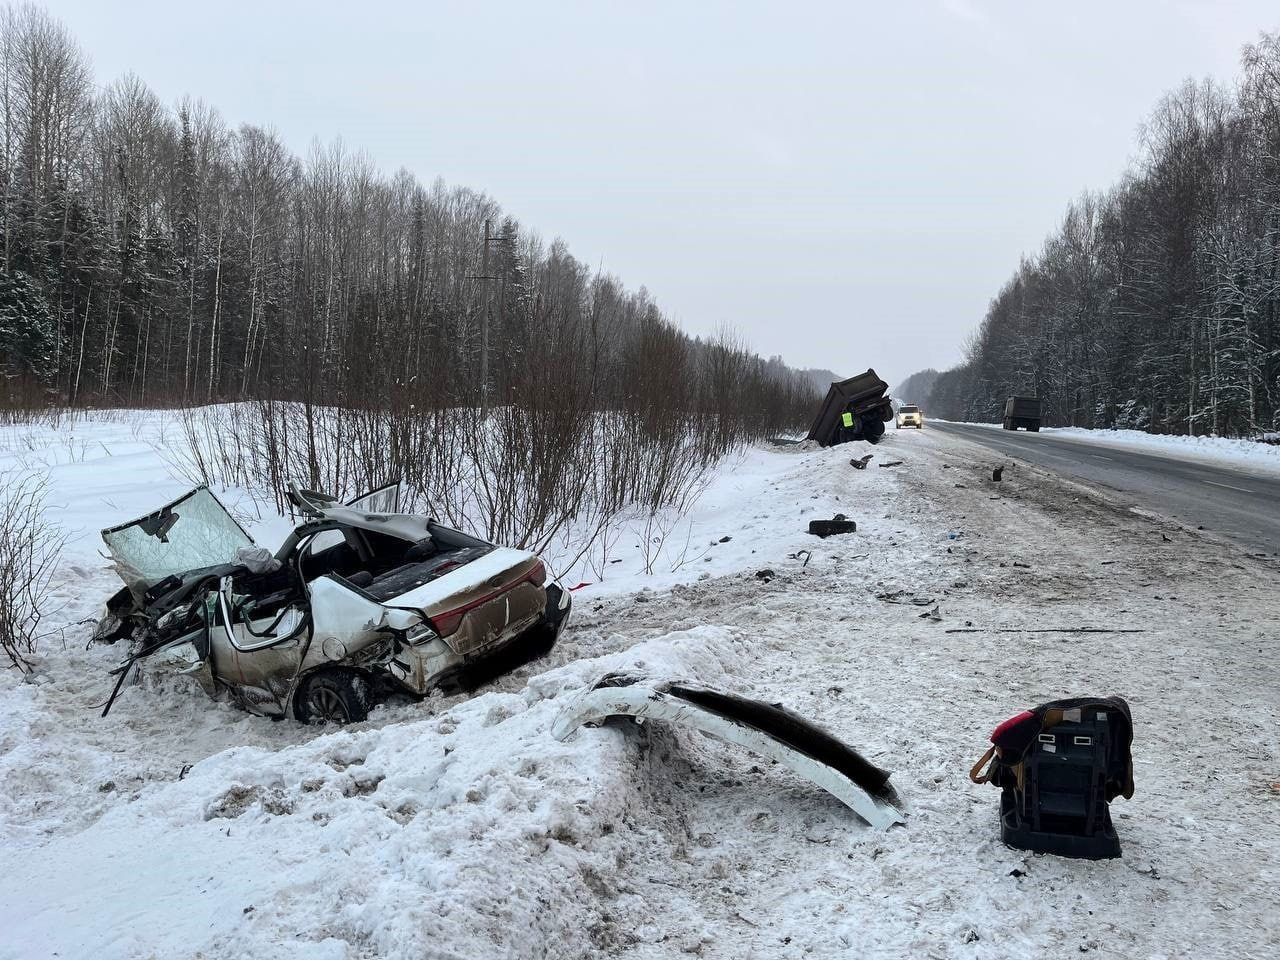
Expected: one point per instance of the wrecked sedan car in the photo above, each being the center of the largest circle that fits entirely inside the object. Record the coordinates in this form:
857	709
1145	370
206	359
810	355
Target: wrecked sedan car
360	600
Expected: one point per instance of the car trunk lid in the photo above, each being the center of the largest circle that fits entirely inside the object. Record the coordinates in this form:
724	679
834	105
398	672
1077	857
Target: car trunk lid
500	590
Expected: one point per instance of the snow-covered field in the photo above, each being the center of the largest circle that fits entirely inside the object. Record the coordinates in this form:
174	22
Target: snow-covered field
455	827
1222	450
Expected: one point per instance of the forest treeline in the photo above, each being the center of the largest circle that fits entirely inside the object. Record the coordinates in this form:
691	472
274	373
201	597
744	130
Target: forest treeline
1154	304
154	255
917	387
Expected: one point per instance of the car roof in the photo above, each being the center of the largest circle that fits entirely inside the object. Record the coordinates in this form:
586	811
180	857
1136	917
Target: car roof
406	526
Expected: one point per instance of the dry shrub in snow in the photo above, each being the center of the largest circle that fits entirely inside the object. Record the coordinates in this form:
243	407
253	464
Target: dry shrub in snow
521	475
29	548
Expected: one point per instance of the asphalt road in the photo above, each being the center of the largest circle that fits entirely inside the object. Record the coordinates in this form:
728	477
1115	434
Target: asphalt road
1238	503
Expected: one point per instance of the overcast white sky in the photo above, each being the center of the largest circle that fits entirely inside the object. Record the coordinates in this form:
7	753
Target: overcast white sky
848	184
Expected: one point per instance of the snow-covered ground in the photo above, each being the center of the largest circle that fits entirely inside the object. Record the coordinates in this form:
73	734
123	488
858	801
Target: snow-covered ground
456	827
1244	453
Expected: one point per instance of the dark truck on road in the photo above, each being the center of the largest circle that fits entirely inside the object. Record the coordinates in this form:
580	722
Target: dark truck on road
853	409
1022	412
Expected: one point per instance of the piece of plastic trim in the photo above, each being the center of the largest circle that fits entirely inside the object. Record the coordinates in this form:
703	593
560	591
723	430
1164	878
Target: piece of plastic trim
655	700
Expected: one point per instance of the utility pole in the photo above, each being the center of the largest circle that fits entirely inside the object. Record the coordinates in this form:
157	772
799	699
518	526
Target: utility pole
484	327
484	316
487	314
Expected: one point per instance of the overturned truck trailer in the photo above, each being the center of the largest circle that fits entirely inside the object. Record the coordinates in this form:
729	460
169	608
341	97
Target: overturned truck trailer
854	409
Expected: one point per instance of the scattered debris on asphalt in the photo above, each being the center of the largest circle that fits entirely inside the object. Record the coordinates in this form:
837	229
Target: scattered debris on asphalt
904	596
1046	630
997	473
766	575
860	463
892	463
829	528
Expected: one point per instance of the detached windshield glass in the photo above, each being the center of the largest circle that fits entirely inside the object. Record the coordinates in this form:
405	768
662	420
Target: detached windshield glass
195	531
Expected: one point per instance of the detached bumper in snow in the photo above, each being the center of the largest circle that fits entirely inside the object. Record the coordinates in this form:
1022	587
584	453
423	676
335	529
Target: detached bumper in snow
767	729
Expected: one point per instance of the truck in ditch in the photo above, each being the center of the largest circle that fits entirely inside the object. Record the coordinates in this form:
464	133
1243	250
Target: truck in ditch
1022	412
853	409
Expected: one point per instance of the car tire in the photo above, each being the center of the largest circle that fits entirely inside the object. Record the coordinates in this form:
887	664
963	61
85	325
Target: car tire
333	695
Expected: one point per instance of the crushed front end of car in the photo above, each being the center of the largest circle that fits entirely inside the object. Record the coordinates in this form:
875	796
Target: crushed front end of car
354	605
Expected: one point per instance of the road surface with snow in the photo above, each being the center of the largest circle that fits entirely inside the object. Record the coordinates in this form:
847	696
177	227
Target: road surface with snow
1237	499
458	827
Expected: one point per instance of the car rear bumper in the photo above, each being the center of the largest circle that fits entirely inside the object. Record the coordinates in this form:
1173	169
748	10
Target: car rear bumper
559	603
436	663
529	645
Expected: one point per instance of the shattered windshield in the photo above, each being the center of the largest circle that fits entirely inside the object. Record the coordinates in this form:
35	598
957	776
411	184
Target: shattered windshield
193	531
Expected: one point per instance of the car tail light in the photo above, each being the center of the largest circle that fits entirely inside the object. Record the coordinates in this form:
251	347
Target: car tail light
447	623
537	575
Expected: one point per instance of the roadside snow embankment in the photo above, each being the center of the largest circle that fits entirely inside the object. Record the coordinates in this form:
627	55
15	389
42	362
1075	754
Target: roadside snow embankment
471	833
182	827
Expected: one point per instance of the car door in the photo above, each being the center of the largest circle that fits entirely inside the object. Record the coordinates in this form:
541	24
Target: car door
189	656
258	648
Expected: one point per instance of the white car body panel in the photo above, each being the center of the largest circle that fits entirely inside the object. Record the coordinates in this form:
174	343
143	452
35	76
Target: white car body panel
648	699
492	564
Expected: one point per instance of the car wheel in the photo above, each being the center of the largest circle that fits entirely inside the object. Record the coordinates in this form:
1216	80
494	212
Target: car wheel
333	696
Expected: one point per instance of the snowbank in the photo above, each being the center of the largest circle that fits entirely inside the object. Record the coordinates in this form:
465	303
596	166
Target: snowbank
472	833
181	827
1247	453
